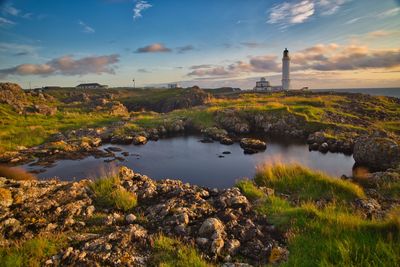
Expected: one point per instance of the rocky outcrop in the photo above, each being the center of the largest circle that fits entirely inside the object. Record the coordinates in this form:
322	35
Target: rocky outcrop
221	223
377	152
252	146
178	99
12	94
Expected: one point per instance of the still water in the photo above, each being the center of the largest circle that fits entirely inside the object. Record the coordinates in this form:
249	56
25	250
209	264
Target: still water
189	160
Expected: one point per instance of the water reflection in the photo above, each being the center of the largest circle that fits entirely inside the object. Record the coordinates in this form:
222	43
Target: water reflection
189	160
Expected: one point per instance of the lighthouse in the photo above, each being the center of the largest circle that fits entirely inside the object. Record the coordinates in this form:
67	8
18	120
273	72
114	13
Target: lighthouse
286	70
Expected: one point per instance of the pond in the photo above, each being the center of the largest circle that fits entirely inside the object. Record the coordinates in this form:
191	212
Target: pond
204	164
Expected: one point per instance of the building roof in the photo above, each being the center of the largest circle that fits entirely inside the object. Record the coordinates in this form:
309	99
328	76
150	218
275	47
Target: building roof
89	84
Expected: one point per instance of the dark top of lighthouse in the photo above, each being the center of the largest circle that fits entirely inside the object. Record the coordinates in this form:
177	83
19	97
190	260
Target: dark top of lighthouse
286	53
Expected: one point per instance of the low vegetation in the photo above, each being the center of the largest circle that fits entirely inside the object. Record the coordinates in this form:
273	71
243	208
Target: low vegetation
171	252
33	252
305	184
109	194
332	235
15	173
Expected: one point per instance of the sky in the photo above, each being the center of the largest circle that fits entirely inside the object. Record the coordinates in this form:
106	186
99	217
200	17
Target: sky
209	43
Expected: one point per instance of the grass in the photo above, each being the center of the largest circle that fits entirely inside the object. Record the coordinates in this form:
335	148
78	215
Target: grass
305	184
250	190
333	235
33	252
170	252
109	194
18	130
15	173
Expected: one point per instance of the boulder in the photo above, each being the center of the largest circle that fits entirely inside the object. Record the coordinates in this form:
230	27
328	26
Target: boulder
376	152
210	227
255	144
139	140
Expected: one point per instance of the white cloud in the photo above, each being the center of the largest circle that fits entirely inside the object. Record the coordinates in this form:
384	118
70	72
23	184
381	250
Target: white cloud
10	10
140	6
5	22
389	13
296	12
86	28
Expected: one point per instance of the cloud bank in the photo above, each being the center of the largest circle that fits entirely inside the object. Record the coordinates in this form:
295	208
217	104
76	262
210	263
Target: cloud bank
66	65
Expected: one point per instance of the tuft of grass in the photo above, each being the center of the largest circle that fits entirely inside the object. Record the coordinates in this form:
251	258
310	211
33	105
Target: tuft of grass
250	190
170	252
33	252
110	194
15	173
305	184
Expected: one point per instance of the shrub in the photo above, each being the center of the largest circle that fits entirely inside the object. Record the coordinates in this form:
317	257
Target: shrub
15	173
108	193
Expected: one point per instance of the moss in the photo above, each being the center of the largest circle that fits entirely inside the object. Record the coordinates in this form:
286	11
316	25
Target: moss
172	252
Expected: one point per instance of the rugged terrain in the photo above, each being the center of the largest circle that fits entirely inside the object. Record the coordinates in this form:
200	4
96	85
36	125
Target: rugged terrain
129	219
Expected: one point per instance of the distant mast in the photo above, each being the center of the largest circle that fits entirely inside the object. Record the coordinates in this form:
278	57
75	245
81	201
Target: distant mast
286	70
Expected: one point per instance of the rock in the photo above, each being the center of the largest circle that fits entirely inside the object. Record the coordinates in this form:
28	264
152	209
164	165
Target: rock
130	218
117	109
139	140
226	152
42	109
255	144
217	245
6	199
226	141
232	246
324	147
90	210
210	227
125	173
378	153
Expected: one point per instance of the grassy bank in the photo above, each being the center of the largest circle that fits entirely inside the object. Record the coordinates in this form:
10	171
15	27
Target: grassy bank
334	234
324	111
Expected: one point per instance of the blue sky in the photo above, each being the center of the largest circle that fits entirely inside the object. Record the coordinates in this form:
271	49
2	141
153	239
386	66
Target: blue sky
333	43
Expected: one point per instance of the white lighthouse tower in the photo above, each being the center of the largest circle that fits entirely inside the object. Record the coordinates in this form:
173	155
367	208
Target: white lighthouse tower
286	70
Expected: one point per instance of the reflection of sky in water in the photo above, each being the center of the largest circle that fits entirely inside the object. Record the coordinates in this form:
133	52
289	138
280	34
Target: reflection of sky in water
192	161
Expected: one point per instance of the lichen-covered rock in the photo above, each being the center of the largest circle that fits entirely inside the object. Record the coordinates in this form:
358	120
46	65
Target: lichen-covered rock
249	143
139	140
376	152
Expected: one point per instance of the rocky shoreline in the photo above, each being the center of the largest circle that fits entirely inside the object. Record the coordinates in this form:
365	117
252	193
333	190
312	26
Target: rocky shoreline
221	223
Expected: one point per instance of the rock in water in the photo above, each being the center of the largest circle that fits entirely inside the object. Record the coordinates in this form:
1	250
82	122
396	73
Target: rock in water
249	143
376	152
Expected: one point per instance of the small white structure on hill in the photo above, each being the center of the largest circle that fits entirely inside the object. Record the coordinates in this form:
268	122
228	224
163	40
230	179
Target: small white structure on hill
173	85
262	85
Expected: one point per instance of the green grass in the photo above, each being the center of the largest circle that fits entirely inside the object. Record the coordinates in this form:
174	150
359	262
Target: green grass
333	235
250	190
18	130
304	184
109	194
31	253
169	252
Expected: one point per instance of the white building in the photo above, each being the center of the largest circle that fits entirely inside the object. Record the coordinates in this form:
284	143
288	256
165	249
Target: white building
262	85
286	70
173	85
